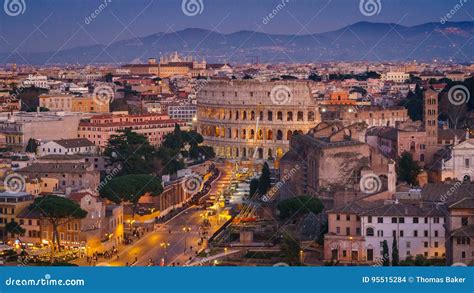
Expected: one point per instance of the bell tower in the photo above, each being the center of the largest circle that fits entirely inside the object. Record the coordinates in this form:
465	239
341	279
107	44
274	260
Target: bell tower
430	98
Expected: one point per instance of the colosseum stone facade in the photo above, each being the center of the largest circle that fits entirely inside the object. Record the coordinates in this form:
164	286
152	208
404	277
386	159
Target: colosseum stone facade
245	119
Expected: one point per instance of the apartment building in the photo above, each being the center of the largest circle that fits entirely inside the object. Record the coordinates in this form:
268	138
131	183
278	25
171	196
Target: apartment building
74	146
11	204
17	129
357	231
154	126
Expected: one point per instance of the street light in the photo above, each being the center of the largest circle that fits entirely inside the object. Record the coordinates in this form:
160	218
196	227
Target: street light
186	230
350	238
164	245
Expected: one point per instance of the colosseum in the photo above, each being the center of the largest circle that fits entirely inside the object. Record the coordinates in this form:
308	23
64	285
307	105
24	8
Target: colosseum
244	119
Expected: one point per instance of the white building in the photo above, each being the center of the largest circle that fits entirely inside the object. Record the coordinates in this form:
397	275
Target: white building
419	230
185	112
75	146
399	77
40	81
458	161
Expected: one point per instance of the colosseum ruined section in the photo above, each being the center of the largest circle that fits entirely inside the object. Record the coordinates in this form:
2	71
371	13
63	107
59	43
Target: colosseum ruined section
245	119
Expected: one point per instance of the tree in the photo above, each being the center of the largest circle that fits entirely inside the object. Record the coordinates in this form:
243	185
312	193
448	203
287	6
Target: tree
58	211
13	228
132	151
298	206
408	169
290	248
264	180
386	258
32	145
253	187
130	188
288	77
414	103
395	256
314	77
109	77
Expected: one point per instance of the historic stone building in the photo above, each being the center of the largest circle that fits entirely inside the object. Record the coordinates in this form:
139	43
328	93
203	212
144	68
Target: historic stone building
252	119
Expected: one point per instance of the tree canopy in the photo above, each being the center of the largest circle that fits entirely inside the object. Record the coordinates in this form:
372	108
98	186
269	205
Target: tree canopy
298	206
129	188
132	151
408	169
13	228
58	211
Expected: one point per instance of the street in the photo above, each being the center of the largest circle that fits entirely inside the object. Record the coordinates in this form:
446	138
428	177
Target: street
175	241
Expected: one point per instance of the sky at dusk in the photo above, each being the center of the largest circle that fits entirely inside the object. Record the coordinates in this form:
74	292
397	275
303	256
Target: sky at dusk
49	25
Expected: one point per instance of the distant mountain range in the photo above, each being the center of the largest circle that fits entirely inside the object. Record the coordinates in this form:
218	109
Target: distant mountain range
358	42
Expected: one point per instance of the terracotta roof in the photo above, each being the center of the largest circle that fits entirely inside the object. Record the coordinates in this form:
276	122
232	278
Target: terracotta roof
78	168
78	196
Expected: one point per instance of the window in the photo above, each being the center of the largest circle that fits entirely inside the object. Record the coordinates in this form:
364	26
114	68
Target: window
426	233
408	244
348	231
401	220
338	217
426	243
464	221
380	220
379	233
401	233
467	163
415	233
436	244
415	220
370	231
338	230
348	217
436	220
369	219
436	233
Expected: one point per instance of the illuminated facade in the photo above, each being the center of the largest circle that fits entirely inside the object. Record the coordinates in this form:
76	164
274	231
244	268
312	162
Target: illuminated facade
252	119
